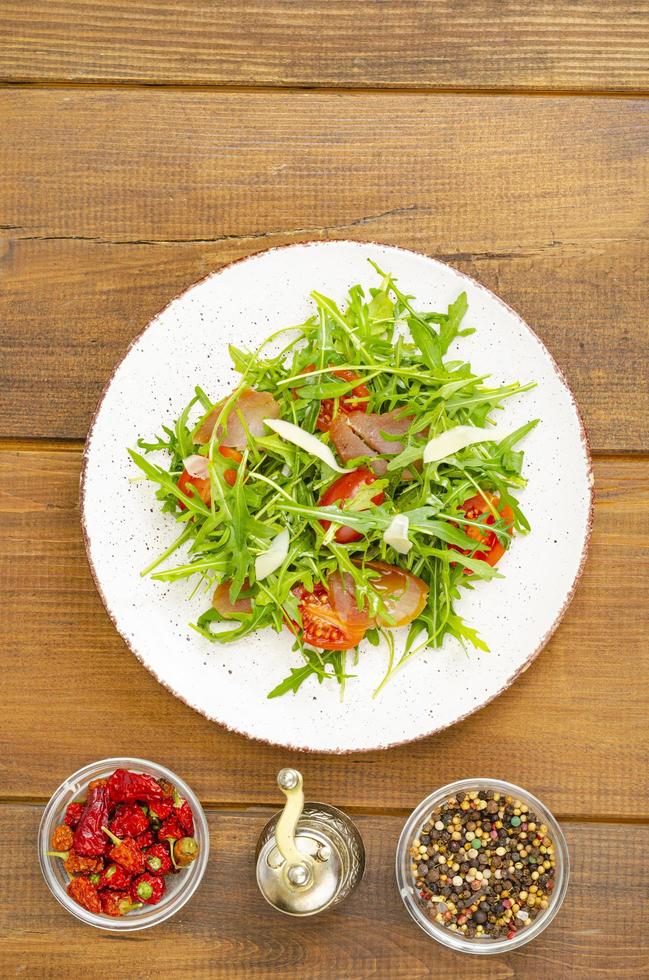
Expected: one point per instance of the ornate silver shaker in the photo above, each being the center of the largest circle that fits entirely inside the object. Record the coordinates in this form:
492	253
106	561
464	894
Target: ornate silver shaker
310	856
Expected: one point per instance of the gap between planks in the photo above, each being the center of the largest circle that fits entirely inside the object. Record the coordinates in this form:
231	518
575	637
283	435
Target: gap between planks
216	88
212	806
19	445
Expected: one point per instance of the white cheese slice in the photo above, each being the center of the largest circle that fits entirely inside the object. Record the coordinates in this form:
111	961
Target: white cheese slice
269	561
305	440
451	441
396	534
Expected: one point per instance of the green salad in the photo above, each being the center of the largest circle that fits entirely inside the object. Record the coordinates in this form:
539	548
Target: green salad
352	483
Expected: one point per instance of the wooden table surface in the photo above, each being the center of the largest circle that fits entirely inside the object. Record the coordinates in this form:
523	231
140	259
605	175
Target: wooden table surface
144	145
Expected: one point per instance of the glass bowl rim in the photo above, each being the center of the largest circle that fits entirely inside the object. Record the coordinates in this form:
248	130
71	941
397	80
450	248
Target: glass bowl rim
128	923
445	936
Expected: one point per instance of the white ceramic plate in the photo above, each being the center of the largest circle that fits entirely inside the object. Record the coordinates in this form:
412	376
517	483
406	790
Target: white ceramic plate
187	345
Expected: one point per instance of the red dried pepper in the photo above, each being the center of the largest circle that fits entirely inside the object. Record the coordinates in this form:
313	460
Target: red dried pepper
148	888
161	809
115	877
145	840
78	863
129	821
168	789
118	903
88	837
128	787
186	818
184	852
171	829
126	853
85	894
158	860
73	814
62	838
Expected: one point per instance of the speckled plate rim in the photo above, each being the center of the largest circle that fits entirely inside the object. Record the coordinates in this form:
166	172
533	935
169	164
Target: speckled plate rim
517	673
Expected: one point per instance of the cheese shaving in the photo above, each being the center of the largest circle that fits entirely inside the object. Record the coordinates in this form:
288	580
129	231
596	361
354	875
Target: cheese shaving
305	440
451	441
396	534
269	561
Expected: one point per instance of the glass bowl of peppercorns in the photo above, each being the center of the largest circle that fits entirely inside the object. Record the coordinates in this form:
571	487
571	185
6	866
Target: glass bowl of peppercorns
482	866
123	844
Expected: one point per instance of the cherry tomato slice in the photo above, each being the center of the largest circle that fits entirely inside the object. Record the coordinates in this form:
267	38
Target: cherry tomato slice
230	476
403	593
322	626
203	486
491	550
346	403
345	488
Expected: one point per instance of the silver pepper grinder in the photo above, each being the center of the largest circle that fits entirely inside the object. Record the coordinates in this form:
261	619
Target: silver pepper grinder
310	856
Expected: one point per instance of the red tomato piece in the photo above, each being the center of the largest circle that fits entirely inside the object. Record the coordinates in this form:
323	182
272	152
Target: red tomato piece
355	401
322	626
345	488
202	486
490	548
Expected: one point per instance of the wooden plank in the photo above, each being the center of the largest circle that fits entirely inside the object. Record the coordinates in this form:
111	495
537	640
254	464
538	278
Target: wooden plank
228	930
140	165
580	709
114	202
559	45
83	302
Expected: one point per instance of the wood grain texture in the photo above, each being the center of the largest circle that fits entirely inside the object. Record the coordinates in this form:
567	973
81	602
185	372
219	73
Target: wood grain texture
227	929
573	728
491	44
85	301
114	202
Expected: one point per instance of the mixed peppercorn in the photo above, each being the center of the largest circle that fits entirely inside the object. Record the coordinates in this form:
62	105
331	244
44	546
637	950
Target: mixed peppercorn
118	846
484	865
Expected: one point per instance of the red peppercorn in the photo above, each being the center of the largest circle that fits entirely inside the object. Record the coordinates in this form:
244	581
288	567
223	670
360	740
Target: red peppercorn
129	820
511	933
73	814
157	860
115	877
171	829
148	888
85	894
117	903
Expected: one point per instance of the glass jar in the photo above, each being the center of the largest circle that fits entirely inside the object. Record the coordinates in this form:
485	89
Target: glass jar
417	907
180	887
